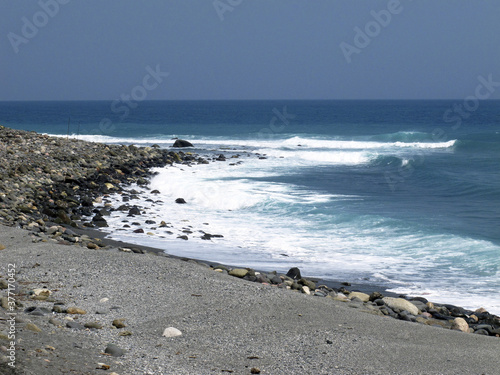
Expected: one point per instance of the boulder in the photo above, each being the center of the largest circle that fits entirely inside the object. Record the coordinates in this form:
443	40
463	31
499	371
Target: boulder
401	305
182	143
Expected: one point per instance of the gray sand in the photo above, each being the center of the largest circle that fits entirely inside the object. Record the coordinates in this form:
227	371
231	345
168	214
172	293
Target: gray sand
228	325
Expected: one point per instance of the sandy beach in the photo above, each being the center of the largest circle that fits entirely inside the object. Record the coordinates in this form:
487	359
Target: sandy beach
228	325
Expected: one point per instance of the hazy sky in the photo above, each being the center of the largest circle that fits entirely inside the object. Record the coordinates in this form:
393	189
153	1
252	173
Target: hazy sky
247	49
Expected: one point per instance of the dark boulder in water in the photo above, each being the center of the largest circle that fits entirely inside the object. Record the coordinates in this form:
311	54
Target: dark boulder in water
180	200
182	143
294	273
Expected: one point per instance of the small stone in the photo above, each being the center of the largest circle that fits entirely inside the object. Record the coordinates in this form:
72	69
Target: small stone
41	292
362	296
95	325
310	284
305	289
103	366
2	247
92	246
74	325
59	309
55	322
103	300
118	323
238	272
33	327
254	370
180	201
125	333
171	332
400	304
75	310
114	350
4	284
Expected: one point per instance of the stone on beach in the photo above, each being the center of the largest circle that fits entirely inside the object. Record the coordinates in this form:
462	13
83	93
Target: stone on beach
362	296
114	350
171	332
400	304
238	272
461	325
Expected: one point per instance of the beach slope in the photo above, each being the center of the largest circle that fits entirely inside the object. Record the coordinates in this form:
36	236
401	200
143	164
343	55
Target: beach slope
228	325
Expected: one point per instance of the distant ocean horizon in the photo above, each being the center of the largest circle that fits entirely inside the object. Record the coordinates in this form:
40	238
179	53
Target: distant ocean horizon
404	194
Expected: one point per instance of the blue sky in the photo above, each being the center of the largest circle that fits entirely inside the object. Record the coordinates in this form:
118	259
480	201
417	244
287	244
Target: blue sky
247	49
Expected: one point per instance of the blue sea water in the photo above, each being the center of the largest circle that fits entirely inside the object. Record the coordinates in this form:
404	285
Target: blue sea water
402	194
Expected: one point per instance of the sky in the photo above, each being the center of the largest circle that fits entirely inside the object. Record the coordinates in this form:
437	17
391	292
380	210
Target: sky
247	49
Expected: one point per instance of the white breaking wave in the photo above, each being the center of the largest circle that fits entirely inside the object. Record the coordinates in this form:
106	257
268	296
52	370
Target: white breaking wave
290	143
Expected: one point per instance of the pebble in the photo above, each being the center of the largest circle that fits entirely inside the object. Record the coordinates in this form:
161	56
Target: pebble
2	247
361	296
400	304
75	310
238	272
171	332
114	350
74	325
119	323
33	327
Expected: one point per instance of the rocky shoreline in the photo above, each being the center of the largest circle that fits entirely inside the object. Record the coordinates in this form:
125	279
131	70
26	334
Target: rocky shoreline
54	188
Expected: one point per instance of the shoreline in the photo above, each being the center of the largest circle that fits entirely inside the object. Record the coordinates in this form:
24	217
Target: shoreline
81	310
72	284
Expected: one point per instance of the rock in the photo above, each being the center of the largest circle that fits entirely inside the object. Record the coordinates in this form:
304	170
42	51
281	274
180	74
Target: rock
311	285
180	201
4	284
59	309
92	246
41	292
305	289
276	279
375	296
294	273
75	310
238	272
171	332
2	247
74	325
114	350
33	327
254	370
37	311
125	333
182	143
134	211
361	296
118	323
400	304
95	325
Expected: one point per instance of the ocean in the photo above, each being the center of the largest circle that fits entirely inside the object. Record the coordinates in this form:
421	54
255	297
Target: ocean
400	194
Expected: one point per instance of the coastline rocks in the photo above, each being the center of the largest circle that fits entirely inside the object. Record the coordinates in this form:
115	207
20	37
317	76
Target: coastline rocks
361	296
182	143
180	201
401	305
294	273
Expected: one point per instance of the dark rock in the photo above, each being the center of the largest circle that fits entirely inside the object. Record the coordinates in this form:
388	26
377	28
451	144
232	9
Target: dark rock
134	211
114	350
182	143
310	284
180	200
74	325
294	273
140	230
276	279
